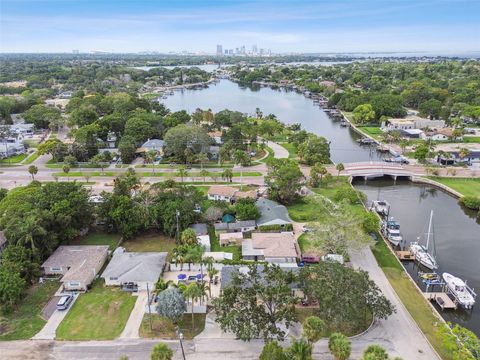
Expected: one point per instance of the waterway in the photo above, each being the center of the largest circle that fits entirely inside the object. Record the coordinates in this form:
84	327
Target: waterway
457	233
289	107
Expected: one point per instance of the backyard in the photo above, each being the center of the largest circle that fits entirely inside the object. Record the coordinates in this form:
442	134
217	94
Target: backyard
99	314
164	328
98	238
373	131
25	321
150	242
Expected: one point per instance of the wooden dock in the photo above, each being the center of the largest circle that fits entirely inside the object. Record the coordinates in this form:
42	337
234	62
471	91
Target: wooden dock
442	299
405	255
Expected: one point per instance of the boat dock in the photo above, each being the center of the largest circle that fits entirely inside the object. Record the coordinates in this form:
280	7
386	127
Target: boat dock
442	299
405	255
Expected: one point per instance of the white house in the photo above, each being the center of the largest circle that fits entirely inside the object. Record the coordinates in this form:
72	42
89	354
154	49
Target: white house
223	193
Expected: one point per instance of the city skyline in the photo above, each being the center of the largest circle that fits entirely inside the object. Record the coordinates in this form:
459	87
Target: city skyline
303	26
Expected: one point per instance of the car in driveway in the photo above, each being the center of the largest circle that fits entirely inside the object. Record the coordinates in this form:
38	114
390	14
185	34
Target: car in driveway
64	302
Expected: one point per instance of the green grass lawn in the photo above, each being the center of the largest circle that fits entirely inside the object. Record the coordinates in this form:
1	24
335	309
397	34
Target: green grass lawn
271	154
150	242
31	143
292	150
90	173
471	139
32	158
465	186
98	238
163	328
26	320
100	314
373	131
408	293
13	159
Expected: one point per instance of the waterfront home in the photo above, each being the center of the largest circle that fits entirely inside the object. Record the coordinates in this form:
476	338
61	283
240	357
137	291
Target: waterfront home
271	247
222	193
441	135
135	269
272	213
412	133
413	122
78	265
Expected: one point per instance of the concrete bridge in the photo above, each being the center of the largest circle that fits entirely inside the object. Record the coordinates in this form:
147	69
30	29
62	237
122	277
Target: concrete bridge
369	170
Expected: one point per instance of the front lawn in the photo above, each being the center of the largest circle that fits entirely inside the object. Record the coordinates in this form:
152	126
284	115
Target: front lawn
163	328
150	242
100	314
292	150
26	320
98	238
15	159
465	186
34	156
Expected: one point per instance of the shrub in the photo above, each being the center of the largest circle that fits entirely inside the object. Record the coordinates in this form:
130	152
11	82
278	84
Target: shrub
471	202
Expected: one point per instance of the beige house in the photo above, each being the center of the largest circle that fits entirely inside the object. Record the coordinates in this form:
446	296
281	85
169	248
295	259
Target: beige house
78	264
414	122
223	193
271	247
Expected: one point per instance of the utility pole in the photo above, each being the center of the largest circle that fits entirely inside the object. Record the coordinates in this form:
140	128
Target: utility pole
177	235
180	337
149	309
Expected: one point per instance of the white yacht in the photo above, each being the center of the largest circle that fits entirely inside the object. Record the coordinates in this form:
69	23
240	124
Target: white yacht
460	290
391	230
381	207
421	252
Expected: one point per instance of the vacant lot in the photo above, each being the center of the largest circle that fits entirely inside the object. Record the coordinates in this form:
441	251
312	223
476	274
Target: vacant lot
372	131
465	186
98	238
163	328
150	242
100	314
26	320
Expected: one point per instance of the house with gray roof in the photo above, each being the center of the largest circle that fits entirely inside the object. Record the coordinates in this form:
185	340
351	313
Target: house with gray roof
272	213
78	265
137	268
200	229
239	226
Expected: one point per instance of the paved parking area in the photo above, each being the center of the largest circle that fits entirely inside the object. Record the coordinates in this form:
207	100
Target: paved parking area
172	276
49	330
50	308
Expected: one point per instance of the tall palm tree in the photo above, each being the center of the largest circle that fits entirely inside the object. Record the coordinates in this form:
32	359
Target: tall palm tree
403	145
32	170
192	292
240	157
182	172
204	173
227	174
211	272
150	159
28	230
202	157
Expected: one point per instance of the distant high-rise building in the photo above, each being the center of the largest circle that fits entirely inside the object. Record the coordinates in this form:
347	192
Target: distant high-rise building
254	50
219	50
242	50
230	51
75	51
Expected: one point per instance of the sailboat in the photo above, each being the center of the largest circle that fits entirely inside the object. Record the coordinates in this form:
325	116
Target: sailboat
421	252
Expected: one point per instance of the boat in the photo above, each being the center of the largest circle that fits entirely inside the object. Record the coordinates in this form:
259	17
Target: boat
391	230
381	207
464	295
366	141
343	123
429	276
421	252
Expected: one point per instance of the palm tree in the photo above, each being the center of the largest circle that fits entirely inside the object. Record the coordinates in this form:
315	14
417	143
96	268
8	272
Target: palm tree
227	174
313	328
204	173
29	230
66	170
202	290
403	145
33	170
375	352
202	157
340	346
211	272
340	167
150	159
240	157
182	172
300	349
192	292
161	352
463	153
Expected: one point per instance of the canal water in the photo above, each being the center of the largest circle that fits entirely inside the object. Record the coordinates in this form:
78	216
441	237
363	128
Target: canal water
289	107
457	233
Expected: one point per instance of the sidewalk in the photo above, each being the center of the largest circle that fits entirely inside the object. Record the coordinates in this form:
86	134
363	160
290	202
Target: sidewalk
132	327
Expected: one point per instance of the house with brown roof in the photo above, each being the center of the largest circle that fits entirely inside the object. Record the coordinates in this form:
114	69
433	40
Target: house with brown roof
271	247
222	193
78	264
230	238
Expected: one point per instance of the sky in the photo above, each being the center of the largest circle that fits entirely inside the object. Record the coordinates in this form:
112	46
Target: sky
436	26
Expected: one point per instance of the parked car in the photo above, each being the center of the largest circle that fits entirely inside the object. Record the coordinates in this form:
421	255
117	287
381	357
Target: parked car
333	257
64	302
130	286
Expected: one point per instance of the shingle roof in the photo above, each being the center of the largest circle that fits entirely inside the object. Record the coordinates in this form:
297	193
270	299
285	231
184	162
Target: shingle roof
227	273
222	190
235	225
153	144
271	245
135	266
272	213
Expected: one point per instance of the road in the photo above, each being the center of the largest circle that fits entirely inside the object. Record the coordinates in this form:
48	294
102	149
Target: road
279	151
